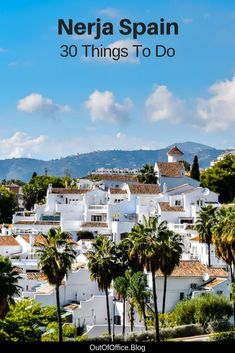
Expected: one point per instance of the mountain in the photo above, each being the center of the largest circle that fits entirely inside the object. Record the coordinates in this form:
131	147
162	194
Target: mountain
81	164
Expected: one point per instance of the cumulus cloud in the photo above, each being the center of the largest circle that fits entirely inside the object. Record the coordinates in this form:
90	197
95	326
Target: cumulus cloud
218	112
163	105
103	107
110	12
21	144
35	102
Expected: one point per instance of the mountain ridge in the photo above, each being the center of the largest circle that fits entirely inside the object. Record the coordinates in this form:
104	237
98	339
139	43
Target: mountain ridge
81	164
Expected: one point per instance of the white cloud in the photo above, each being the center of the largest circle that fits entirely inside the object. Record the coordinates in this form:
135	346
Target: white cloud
187	20
218	112
163	105
120	135
115	52
3	50
110	12
21	144
103	107
35	102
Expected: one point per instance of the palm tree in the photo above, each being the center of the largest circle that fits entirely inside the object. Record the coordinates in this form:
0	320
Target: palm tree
204	225
102	266
8	285
224	240
145	240
121	284
56	258
148	175
170	255
138	294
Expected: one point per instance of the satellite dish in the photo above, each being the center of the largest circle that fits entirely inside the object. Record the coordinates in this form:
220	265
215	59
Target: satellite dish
205	192
205	276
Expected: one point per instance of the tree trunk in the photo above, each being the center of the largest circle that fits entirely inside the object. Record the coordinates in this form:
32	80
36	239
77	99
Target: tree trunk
145	318
155	304
132	317
232	280
164	294
58	313
107	307
124	318
209	255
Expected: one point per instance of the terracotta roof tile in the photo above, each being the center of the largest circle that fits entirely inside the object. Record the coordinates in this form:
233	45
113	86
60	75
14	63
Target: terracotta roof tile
95	225
69	191
36	276
118	177
194	269
175	150
214	282
8	240
144	188
171	169
165	207
117	191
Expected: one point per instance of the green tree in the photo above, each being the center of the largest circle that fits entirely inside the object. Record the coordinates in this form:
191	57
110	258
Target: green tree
170	254
102	266
138	294
24	321
204	224
221	178
195	172
148	175
35	190
7	205
224	239
121	284
56	257
8	285
145	241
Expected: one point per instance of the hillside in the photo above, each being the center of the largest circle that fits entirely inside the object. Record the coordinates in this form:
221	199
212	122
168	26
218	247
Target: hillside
81	164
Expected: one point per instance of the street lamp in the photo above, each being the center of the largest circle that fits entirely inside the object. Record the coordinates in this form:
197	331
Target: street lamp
114	304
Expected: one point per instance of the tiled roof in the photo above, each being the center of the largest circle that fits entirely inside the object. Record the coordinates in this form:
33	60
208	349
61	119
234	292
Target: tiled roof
40	239
95	225
165	207
69	191
8	240
195	238
144	188
72	306
36	276
194	269
214	282
117	191
171	169
174	150
39	222
118	177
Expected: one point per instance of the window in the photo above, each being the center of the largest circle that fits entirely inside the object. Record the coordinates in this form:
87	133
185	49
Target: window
96	218
177	202
181	295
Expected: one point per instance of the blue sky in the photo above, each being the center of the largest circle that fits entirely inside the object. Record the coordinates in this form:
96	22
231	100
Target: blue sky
52	107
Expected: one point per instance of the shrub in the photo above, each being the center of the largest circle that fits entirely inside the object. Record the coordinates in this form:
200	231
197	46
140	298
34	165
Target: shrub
223	336
202	309
147	336
219	326
181	331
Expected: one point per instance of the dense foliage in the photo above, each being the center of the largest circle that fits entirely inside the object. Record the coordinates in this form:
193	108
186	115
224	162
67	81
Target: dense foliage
202	309
147	175
35	190
7	205
24	321
221	178
194	172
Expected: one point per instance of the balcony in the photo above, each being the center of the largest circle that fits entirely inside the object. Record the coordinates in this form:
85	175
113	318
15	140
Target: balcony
98	207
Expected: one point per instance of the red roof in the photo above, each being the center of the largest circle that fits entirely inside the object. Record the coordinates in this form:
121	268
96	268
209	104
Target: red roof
174	150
